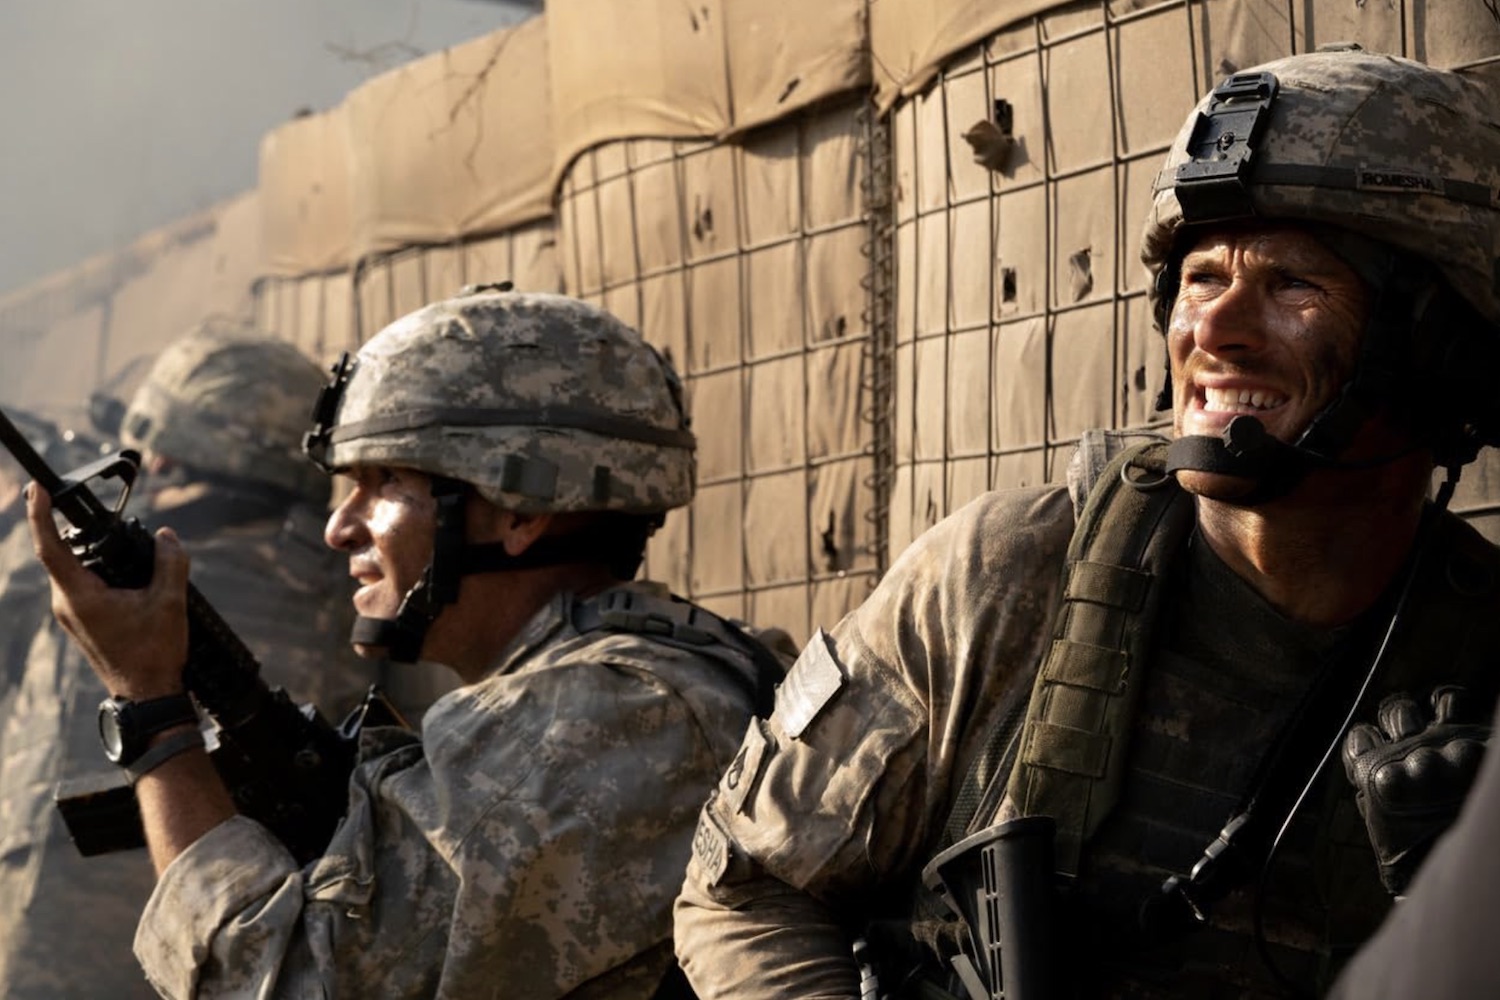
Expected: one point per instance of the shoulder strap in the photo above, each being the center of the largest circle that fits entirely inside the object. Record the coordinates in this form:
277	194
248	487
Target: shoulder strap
673	621
1072	749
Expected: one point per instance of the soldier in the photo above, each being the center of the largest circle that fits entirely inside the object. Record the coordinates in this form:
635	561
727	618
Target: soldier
1167	682
219	419
508	455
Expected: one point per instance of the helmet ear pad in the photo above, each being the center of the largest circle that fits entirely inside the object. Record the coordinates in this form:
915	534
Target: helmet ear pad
1164	296
1455	396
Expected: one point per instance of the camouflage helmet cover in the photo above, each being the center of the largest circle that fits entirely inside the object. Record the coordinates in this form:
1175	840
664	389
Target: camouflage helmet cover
1386	148
226	399
542	402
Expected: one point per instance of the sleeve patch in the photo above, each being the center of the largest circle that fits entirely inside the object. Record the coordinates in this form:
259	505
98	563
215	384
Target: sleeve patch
744	772
810	685
710	848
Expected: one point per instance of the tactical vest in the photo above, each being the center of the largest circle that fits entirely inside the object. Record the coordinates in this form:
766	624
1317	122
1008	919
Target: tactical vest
1073	749
1070	759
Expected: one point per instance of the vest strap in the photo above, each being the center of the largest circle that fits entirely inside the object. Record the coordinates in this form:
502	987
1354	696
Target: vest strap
1084	665
1076	735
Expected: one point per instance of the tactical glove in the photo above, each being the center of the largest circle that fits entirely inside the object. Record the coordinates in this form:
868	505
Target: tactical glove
1411	774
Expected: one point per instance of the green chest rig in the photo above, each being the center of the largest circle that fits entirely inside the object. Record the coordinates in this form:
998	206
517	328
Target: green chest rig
1072	752
1071	758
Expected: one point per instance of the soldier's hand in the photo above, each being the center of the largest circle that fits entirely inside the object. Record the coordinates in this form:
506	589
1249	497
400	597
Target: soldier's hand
135	639
1411	773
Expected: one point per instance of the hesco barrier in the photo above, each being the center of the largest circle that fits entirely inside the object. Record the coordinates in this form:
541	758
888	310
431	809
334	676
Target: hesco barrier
746	262
97	325
392	285
873	325
1021	315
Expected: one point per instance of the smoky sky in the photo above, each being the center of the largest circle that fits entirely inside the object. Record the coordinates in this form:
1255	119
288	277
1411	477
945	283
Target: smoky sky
117	117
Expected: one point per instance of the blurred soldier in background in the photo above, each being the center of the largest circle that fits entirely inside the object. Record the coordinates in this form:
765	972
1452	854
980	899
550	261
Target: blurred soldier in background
219	421
24	593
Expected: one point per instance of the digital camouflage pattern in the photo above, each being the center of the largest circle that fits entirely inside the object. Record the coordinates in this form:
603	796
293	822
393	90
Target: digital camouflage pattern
1407	137
66	922
543	402
528	845
226	399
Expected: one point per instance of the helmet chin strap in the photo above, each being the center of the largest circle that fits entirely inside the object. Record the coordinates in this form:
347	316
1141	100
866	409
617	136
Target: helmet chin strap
1246	451
403	636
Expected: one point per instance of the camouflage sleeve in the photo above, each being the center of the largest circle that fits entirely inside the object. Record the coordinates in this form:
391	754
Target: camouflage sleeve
848	783
532	841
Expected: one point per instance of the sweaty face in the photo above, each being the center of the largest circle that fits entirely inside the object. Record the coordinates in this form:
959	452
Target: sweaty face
386	526
1268	322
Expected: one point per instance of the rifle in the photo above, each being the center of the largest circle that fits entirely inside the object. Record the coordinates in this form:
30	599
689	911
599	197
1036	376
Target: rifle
284	765
1000	881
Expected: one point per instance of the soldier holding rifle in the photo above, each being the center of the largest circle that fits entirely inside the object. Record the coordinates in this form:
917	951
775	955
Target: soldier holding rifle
508	455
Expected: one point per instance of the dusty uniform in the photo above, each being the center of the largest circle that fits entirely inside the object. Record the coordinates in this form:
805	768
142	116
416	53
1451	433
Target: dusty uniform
286	596
529	845
840	799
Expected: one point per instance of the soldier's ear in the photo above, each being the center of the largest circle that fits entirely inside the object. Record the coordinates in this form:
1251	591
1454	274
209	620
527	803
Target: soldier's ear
516	531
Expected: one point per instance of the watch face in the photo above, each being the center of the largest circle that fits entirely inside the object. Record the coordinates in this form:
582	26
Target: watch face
110	733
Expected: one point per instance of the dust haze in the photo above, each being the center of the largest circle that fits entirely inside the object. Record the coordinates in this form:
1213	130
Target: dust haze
119	117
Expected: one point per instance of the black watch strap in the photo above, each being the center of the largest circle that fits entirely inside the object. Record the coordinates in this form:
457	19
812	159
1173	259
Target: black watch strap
172	746
155	715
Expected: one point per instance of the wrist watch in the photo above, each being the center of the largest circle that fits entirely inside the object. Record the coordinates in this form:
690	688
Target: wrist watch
126	727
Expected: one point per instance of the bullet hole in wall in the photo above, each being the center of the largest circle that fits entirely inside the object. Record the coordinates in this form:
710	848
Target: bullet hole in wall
1081	273
830	547
703	220
1007	284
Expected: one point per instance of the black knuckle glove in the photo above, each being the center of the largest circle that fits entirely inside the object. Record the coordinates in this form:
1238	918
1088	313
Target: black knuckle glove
1411	773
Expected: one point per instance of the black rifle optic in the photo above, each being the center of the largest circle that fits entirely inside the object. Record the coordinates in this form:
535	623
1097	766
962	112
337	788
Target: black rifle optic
285	765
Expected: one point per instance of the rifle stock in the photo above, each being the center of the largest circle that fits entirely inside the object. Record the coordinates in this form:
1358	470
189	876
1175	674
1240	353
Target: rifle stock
285	765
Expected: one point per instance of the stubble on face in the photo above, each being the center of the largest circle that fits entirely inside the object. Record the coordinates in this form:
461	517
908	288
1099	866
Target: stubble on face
1267	323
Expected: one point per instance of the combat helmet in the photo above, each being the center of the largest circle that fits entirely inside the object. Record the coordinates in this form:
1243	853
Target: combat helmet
1373	153
537	403
229	402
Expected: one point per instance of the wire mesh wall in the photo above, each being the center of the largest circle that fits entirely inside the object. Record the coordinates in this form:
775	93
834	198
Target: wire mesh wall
745	262
325	314
1021	316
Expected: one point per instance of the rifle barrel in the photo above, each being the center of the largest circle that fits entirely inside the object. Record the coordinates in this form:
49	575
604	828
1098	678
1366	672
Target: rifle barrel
15	442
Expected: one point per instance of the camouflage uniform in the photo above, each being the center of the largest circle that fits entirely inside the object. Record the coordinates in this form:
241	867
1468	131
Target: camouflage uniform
836	803
839	799
254	533
531	841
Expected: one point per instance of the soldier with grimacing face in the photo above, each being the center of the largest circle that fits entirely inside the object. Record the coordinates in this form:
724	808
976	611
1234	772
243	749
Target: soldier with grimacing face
1242	677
